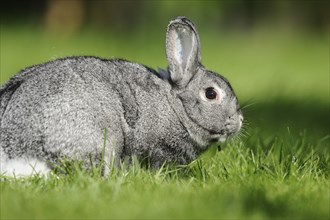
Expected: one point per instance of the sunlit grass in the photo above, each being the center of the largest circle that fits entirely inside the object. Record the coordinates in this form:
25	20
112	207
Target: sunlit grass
284	177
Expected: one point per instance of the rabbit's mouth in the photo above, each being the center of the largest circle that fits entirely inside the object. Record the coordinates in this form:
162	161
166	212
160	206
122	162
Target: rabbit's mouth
218	138
231	129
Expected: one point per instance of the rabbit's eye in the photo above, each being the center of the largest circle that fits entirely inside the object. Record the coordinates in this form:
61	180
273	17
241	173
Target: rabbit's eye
210	93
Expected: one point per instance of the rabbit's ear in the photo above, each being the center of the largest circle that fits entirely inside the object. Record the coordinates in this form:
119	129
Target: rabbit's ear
182	50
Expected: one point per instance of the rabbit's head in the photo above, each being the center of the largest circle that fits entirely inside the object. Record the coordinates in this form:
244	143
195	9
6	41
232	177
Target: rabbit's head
207	98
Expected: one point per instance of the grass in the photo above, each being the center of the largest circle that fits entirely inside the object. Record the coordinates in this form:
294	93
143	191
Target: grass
279	168
286	177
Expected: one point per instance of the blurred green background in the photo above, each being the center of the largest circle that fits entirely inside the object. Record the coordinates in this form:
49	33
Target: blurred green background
274	53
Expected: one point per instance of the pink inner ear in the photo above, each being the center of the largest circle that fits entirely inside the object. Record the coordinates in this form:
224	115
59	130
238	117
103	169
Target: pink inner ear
183	46
187	41
178	54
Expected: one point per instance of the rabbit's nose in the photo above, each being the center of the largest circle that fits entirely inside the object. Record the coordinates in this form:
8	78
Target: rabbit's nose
240	118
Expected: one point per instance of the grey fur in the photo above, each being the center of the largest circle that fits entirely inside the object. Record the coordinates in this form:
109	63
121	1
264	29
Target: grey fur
61	109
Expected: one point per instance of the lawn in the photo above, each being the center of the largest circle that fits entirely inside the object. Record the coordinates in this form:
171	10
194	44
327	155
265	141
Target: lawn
277	168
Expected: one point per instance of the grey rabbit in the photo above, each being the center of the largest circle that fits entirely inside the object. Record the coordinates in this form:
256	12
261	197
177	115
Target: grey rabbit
81	107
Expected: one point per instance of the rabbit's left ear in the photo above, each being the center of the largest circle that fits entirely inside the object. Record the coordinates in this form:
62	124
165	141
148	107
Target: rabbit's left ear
182	50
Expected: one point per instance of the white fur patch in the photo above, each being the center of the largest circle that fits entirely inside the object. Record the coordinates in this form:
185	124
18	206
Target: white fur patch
23	167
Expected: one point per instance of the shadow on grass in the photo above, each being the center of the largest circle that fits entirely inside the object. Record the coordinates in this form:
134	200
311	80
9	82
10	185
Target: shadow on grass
274	117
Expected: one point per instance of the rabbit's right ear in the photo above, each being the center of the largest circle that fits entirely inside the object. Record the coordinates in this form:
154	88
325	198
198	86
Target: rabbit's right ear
182	50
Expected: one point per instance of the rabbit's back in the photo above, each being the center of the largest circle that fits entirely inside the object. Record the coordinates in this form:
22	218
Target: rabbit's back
64	106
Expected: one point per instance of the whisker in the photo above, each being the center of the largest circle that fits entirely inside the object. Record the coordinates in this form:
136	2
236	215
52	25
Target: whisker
244	106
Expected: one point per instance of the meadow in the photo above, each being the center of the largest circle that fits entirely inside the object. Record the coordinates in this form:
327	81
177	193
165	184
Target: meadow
277	168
